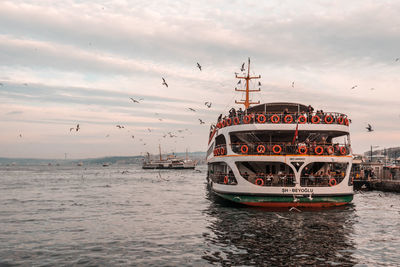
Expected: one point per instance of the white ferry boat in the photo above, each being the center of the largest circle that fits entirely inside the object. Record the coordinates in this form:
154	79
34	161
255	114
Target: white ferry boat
170	162
280	155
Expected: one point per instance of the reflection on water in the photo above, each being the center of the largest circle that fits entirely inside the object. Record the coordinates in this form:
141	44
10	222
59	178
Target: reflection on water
123	215
253	236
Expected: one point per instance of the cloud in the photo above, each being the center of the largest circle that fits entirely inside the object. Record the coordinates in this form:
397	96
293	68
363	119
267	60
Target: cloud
82	61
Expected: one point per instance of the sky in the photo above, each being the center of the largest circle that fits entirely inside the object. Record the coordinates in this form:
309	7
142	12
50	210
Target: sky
64	63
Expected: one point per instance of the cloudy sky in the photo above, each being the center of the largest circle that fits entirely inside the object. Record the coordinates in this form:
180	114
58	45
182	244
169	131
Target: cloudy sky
69	62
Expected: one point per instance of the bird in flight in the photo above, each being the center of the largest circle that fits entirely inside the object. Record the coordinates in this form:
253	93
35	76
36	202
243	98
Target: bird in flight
192	109
132	136
199	66
20	135
242	68
148	129
136	101
293	84
164	82
397	59
369	128
120	126
77	127
354	86
208	104
201	121
70	129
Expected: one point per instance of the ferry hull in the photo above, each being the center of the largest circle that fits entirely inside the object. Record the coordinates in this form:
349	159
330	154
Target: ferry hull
287	201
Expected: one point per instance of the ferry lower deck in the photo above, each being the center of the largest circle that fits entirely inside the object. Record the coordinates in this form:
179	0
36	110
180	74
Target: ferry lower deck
282	181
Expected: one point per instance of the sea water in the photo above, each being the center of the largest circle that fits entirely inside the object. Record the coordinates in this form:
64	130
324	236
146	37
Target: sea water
123	215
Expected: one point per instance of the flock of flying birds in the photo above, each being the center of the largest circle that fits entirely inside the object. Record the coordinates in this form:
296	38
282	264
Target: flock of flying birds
207	104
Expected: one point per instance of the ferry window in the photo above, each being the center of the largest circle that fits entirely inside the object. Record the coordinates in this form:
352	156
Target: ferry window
221	173
323	174
220	140
267	173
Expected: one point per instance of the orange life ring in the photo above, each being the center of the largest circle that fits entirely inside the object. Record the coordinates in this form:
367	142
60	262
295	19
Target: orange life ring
340	120
236	121
330	119
275	118
315	119
288	119
302	119
261	118
222	151
228	122
319	150
330	150
302	149
259	182
226	180
343	150
247	119
277	151
332	182
260	149
244	149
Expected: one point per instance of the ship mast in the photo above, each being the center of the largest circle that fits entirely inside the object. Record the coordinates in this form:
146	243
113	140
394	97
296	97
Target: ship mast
247	102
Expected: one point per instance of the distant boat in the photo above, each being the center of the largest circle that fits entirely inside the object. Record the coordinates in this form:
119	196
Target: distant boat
79	164
171	162
106	164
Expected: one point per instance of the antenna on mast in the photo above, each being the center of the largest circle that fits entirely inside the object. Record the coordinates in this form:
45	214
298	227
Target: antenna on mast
247	102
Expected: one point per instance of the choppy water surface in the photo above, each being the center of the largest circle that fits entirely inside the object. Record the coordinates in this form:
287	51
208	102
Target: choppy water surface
123	215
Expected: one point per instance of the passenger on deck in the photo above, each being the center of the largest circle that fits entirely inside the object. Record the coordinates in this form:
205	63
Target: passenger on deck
286	111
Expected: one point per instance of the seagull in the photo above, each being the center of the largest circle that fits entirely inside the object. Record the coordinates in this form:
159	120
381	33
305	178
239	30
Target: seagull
242	68
70	129
372	88
107	135
160	119
397	59
20	135
208	104
354	87
201	122
164	82
293	84
77	127
294	209
132	136
148	129
199	66
369	128
136	101
120	126
192	109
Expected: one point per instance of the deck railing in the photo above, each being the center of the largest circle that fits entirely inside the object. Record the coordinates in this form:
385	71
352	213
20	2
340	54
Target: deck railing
285	118
267	148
